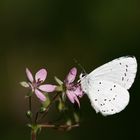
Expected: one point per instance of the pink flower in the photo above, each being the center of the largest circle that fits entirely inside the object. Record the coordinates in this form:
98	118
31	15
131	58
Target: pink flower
36	83
73	91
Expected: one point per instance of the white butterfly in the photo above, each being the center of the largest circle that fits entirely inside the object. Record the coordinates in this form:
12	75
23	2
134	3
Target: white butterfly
107	86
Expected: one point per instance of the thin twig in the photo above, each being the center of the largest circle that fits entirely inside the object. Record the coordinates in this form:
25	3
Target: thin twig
48	107
60	127
36	117
33	135
30	103
30	107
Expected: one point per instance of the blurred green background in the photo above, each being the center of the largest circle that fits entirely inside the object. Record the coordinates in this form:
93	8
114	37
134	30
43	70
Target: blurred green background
50	34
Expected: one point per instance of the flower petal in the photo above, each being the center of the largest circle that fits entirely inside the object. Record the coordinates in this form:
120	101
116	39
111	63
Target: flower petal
71	76
31	86
77	100
70	96
78	92
29	75
40	95
47	88
41	75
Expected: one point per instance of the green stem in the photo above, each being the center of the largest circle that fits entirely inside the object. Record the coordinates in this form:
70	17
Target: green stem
30	107
36	117
30	103
60	127
48	107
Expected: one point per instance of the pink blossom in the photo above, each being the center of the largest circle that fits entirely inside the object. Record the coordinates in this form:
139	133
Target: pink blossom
36	83
73	91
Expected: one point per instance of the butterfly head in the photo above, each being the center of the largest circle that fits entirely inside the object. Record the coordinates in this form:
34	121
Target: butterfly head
82	75
83	82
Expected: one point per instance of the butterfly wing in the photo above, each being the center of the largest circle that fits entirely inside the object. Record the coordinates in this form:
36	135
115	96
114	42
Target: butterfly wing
107	85
107	97
121	71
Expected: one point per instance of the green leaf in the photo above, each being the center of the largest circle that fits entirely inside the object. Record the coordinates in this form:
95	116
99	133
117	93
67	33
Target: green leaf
76	117
61	106
29	125
59	88
39	129
58	80
24	84
47	102
69	122
64	96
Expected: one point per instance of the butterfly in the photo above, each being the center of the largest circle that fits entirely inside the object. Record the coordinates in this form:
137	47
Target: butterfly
107	86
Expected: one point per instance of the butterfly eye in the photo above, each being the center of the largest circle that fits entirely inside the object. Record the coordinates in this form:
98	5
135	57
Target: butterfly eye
82	75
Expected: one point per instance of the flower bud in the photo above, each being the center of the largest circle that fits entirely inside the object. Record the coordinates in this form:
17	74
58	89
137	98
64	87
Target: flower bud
42	109
47	102
29	114
76	117
69	123
61	106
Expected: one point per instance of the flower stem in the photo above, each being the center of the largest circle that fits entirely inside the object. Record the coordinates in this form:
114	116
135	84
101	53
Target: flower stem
30	108
48	107
30	103
60	127
36	117
33	135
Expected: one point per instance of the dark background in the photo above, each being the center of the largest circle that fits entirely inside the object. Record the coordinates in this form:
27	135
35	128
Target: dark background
50	34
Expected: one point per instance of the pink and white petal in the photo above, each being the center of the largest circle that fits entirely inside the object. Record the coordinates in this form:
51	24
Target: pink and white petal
71	75
70	96
47	88
29	75
41	75
40	95
31	86
78	92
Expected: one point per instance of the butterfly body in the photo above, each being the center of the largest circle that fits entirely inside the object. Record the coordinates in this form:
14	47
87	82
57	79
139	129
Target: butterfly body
107	86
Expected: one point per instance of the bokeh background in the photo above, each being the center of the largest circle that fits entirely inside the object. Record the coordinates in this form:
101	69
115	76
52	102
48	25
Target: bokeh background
50	34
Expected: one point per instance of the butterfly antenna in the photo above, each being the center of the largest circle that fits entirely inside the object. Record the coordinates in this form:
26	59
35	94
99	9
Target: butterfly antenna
80	66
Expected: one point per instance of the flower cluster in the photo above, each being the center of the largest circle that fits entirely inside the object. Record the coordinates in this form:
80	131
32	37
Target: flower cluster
69	89
72	90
